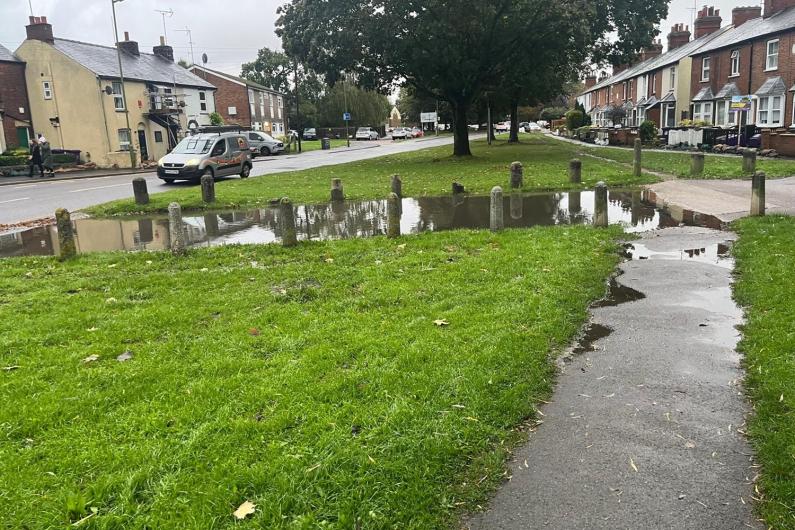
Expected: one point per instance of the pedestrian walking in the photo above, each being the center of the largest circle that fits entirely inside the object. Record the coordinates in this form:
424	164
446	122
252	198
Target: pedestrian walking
46	156
34	160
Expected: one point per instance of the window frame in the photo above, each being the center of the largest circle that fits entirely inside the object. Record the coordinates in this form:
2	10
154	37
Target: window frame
672	78
706	68
118	97
769	110
769	55
734	63
669	112
46	87
158	137
125	145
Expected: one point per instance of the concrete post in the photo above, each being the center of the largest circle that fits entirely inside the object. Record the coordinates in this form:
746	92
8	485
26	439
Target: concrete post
337	193
600	207
146	230
393	216
287	223
697	165
758	193
575	171
66	234
175	229
211	225
575	203
496	215
517	206
208	188
458	188
140	191
636	167
517	175
397	185
749	161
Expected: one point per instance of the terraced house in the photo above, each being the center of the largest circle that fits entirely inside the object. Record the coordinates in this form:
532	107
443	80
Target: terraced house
15	124
77	100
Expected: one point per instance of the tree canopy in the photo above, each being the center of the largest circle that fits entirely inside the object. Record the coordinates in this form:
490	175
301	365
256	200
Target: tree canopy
454	50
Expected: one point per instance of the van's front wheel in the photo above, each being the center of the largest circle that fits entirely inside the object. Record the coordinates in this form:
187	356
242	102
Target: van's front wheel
246	171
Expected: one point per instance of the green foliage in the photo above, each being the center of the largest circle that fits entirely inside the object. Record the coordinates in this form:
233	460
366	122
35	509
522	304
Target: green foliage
183	63
574	119
309	381
15	160
648	131
617	115
553	113
367	108
216	119
586	118
411	105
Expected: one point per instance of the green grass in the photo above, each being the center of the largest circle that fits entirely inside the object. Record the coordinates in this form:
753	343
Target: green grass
310	381
424	172
765	264
314	145
715	166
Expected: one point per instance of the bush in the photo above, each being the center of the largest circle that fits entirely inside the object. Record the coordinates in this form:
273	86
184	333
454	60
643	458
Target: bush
574	119
15	160
648	131
216	119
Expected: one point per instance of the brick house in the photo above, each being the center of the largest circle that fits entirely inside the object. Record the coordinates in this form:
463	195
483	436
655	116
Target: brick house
15	124
245	103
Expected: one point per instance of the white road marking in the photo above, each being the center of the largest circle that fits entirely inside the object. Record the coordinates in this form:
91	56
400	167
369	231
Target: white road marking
99	187
15	200
24	186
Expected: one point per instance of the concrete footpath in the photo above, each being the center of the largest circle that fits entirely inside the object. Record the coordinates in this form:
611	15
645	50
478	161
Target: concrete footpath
645	427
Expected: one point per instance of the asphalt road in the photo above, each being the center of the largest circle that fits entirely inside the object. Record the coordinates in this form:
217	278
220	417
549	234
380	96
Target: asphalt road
40	198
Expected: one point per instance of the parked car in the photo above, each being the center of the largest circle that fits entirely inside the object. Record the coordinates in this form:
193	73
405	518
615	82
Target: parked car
217	155
504	126
310	134
533	127
524	124
401	133
474	127
416	132
264	144
366	133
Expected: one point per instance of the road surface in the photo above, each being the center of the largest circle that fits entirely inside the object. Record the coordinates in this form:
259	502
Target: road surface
40	198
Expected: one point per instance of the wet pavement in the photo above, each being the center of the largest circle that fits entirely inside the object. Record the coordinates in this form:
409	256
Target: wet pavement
645	426
339	221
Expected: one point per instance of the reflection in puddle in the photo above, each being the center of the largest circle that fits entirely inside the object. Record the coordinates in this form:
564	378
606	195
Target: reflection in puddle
593	333
716	254
619	294
336	221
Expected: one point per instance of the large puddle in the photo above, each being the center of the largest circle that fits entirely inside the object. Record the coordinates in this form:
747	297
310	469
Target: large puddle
349	219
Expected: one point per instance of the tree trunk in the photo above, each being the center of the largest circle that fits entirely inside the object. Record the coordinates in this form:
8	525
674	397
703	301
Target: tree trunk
514	137
461	142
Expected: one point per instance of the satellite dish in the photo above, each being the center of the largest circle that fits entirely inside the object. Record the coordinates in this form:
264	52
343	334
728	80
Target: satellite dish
204	58
108	90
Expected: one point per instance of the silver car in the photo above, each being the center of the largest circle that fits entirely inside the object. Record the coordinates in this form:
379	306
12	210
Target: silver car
214	154
263	144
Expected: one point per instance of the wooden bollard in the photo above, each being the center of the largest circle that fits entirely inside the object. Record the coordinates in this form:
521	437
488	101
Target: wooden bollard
66	234
397	185
337	193
758	194
496	215
697	165
637	161
208	188
575	171
175	229
140	191
517	175
393	216
600	218
749	161
287	223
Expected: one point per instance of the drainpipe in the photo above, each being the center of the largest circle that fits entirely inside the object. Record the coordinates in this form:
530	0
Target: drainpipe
104	114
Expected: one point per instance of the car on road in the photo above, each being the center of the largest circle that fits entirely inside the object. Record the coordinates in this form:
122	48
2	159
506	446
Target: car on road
533	127
310	134
504	126
401	133
217	155
263	144
366	133
416	132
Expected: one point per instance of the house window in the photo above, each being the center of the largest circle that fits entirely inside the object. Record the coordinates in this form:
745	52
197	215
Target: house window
769	111
124	139
118	97
702	112
203	101
672	78
735	66
262	104
654	83
281	106
720	112
705	68
670	116
772	55
159	137
631	86
232	111
47	87
251	102
624	92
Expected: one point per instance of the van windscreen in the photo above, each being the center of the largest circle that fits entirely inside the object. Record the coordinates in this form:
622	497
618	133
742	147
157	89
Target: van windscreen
193	146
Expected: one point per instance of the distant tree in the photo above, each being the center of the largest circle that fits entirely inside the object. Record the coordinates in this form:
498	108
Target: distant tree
574	119
367	108
617	115
411	104
553	113
183	63
216	119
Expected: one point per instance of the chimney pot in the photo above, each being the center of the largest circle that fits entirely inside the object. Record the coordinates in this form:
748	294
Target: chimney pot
707	22
39	29
126	36
162	41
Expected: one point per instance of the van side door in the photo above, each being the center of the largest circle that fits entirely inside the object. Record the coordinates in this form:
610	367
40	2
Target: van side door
218	158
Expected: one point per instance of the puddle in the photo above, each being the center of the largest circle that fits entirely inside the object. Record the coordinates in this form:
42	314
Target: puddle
593	333
619	294
718	254
345	220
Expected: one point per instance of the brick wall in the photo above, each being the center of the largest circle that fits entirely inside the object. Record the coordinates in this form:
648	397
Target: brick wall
13	95
229	94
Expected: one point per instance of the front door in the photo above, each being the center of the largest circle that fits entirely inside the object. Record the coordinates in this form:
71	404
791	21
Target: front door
142	144
22	137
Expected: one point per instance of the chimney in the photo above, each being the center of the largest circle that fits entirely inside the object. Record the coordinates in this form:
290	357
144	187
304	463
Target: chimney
39	29
679	36
774	6
590	81
655	50
708	21
164	50
129	46
741	15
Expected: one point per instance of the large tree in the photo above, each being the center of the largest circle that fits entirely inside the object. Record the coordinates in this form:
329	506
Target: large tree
367	108
453	49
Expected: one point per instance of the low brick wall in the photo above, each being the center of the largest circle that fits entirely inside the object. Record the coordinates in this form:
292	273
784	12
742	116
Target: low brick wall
623	136
782	140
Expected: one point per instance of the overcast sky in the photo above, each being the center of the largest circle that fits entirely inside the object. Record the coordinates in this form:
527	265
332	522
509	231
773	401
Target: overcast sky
229	31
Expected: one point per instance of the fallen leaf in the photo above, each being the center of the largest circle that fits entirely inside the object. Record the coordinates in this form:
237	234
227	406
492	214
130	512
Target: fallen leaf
632	463
11	368
244	510
91	359
92	330
329	260
204	269
401	247
254	332
149	262
126	356
690	445
441	323
781	399
371	459
113	265
111	301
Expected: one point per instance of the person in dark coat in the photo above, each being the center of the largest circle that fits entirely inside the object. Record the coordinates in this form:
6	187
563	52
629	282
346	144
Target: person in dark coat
46	156
35	158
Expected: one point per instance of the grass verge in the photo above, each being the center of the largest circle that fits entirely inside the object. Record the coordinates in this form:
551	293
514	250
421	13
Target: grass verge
366	383
314	145
426	172
765	264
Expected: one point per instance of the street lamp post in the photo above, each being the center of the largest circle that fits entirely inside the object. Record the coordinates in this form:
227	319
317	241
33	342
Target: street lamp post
121	79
